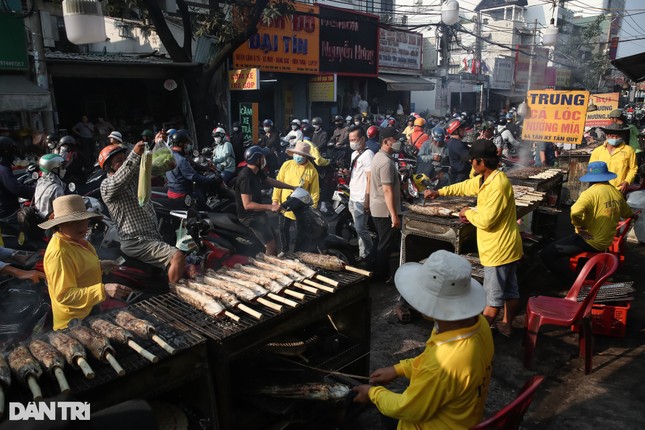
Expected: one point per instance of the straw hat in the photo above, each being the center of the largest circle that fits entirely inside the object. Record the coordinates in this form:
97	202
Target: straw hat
441	287
69	208
597	171
301	148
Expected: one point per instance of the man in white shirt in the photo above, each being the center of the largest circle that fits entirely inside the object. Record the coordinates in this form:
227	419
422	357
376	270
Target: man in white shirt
505	142
360	165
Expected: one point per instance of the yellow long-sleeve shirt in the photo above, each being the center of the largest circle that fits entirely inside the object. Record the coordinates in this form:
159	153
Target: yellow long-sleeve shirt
73	274
598	210
498	235
448	382
305	176
622	162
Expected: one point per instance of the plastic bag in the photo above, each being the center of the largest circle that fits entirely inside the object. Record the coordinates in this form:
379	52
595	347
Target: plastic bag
162	160
144	189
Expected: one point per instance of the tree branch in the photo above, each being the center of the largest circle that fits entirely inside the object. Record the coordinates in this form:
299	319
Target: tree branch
176	52
188	28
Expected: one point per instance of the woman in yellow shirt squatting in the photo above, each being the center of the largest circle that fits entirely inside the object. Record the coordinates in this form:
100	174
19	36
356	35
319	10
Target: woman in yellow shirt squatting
449	379
72	267
299	172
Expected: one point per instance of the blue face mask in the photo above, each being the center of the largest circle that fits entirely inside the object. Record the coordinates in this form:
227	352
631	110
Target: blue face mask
615	141
299	159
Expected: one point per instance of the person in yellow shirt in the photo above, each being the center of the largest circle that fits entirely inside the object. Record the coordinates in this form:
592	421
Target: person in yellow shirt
72	267
409	129
594	215
449	379
498	235
618	155
299	172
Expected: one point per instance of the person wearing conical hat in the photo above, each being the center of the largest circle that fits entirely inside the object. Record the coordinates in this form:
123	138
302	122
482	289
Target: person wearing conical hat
72	267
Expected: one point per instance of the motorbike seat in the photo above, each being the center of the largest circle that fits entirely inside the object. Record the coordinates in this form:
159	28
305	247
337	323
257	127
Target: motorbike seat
227	222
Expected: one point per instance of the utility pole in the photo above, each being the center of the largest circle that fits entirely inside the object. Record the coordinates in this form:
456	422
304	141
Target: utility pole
40	66
528	84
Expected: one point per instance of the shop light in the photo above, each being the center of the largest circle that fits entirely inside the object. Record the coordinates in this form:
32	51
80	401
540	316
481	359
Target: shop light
450	12
550	36
84	21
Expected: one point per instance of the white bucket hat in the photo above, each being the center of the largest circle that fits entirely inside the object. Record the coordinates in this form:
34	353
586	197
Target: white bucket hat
116	136
441	287
301	148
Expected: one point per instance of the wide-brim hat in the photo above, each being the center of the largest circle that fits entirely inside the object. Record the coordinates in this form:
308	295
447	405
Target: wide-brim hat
69	208
597	171
301	148
441	287
616	128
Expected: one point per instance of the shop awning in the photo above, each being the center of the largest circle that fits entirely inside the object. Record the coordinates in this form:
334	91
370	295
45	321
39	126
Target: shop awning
17	93
513	95
406	83
633	66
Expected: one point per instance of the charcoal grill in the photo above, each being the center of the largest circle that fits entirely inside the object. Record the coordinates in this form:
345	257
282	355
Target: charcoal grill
552	183
614	292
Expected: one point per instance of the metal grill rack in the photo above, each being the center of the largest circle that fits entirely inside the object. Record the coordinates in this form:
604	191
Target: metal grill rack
614	292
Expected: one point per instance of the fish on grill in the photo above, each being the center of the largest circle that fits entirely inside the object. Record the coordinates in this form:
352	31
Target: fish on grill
5	381
433	210
72	350
291	264
328	262
25	367
228	299
237	287
52	360
98	345
525	172
272	267
263	281
144	329
310	391
281	279
120	335
201	301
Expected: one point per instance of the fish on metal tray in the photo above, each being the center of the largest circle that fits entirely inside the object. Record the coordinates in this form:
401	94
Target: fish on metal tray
310	391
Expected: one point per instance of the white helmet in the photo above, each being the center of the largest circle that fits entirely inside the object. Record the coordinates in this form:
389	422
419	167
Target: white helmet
296	121
305	121
116	136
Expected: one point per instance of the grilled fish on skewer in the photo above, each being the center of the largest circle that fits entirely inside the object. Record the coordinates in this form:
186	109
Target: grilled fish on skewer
142	328
201	301
267	283
26	368
52	360
291	264
120	335
272	267
241	292
98	345
229	300
328	262
281	279
5	381
73	351
312	391
257	289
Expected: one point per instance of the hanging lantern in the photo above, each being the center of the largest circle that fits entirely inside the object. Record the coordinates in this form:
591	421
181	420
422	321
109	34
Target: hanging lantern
523	109
550	36
450	12
84	21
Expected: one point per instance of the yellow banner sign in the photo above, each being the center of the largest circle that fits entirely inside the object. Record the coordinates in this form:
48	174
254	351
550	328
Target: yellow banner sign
556	116
289	44
322	88
606	103
244	79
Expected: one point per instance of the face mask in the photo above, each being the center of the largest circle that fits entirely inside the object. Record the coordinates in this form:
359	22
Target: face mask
357	123
263	163
218	140
267	129
236	129
615	141
299	159
316	127
294	127
396	146
355	145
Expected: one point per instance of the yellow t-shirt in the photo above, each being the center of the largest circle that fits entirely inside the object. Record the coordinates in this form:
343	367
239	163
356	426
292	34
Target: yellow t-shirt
598	210
448	382
74	277
498	235
622	162
305	176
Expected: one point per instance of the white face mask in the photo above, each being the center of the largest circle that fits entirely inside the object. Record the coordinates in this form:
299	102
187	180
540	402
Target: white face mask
396	146
218	140
235	129
294	127
316	127
267	129
355	144
357	123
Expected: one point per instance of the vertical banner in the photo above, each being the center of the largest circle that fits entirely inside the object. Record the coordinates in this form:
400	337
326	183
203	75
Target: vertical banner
249	121
606	103
556	116
322	88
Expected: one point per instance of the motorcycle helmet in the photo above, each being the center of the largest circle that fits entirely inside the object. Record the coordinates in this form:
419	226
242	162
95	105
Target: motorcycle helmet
8	148
296	122
501	121
304	121
147	133
439	134
253	154
454	125
267	123
116	136
181	136
107	153
358	117
237	126
52	140
372	132
308	131
67	140
317	121
411	118
419	122
509	116
391	122
218	132
49	162
170	132
339	121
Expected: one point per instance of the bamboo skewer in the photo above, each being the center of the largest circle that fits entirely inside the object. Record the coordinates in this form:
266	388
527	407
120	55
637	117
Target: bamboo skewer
34	388
295	294
282	300
269	304
162	343
319	286
327	280
62	381
248	310
142	351
232	316
85	367
357	270
305	287
115	364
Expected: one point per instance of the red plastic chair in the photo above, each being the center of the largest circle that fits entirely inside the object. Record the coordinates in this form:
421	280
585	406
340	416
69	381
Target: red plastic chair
510	416
542	310
615	248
